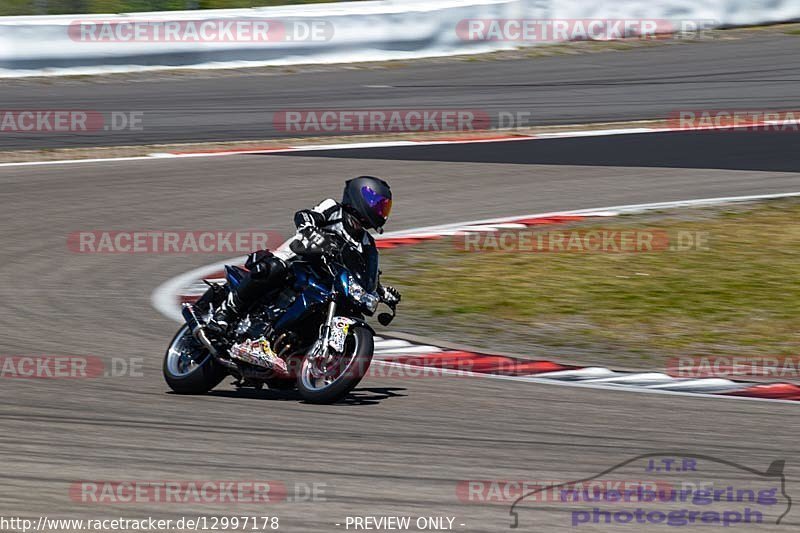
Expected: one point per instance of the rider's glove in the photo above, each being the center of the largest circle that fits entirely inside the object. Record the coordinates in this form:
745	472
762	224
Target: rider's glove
258	262
312	236
390	295
312	239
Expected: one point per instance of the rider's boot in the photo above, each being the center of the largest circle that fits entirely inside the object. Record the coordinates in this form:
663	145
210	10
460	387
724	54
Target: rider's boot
266	276
227	313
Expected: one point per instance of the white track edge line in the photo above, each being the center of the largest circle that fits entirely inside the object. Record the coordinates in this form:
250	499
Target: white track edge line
76	161
163	297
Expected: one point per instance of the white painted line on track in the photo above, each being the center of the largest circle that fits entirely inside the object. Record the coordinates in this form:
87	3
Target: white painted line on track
601	133
644	378
76	161
164	298
390	344
410	350
588	372
706	385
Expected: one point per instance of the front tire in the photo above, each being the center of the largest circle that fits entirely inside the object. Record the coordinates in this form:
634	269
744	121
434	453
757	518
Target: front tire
189	368
359	346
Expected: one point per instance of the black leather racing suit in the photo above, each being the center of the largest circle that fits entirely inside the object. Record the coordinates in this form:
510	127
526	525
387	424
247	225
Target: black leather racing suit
269	269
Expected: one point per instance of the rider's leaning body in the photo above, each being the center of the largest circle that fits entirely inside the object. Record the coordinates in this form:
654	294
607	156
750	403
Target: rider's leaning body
366	204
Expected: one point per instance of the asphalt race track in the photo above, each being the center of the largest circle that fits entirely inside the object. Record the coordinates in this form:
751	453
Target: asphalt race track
755	72
398	445
733	150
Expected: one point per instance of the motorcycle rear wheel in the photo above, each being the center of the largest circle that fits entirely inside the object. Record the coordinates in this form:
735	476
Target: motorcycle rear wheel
188	367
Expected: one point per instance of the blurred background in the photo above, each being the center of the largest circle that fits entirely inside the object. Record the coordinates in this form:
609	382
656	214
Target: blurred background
62	7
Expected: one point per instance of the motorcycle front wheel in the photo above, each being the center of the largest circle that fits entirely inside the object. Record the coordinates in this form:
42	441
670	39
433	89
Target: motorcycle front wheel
189	368
328	382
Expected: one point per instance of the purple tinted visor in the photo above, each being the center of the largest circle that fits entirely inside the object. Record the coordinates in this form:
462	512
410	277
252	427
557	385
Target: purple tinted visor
377	202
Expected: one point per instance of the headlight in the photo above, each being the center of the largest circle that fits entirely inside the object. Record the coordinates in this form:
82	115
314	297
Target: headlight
359	294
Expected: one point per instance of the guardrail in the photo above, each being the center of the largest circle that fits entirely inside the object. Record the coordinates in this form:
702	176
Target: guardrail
344	32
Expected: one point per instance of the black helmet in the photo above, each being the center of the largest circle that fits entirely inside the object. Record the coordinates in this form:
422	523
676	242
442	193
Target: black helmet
369	199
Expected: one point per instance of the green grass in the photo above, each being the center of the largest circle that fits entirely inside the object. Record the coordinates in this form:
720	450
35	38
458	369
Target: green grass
740	295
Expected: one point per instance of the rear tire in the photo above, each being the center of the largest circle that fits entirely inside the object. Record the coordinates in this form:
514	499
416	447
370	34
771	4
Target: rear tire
188	367
349	378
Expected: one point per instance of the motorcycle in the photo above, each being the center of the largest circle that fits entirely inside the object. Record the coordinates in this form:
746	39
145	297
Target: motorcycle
310	333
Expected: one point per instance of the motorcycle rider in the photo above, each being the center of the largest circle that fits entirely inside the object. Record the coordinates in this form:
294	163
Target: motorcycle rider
366	204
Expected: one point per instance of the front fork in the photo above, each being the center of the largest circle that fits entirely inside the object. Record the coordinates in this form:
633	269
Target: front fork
322	352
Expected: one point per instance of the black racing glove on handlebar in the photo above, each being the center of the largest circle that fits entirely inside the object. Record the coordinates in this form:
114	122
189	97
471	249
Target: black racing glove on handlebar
258	263
312	238
390	295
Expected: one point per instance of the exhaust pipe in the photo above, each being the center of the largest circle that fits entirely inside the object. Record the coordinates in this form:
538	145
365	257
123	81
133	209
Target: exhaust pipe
187	310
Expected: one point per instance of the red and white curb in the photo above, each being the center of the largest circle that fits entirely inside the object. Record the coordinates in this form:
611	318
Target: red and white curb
168	297
415	360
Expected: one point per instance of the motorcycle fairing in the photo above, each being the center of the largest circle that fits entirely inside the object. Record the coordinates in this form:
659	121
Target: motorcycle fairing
234	275
310	293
